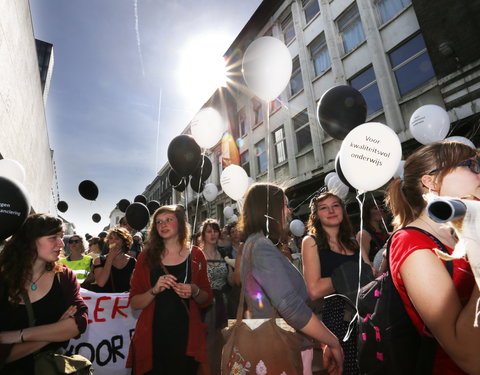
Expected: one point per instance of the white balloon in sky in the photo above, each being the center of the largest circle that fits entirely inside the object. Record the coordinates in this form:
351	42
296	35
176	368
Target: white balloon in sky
207	127
12	169
429	123
228	212
234	181
267	67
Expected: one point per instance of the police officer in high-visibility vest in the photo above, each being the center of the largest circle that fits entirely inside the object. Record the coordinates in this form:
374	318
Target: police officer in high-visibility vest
77	261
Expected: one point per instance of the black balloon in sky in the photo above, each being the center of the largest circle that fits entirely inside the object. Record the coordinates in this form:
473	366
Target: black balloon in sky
140	198
341	109
153	206
123	204
62	206
205	169
137	215
96	218
14	207
88	190
184	154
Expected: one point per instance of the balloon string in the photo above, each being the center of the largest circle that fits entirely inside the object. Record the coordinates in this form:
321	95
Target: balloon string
378	208
198	195
269	172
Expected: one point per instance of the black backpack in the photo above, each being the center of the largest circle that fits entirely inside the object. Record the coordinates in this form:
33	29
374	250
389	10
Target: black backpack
387	341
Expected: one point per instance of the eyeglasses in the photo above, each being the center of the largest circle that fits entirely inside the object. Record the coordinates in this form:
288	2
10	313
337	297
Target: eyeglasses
473	164
74	241
168	220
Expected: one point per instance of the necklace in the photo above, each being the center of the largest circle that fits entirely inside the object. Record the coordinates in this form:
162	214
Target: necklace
438	234
34	283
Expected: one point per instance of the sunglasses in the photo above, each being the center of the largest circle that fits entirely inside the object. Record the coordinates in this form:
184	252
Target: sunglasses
473	164
74	241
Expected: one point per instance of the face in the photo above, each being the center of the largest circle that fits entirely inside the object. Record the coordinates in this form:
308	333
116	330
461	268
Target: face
166	225
211	235
460	182
75	244
225	233
235	234
114	241
375	214
94	247
330	212
49	247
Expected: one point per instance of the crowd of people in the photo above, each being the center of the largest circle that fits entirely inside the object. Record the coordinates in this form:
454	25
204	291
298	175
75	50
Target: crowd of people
186	286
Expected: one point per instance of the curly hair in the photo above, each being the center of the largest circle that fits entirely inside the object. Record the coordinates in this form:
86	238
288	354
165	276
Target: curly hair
155	246
124	235
20	253
405	197
315	227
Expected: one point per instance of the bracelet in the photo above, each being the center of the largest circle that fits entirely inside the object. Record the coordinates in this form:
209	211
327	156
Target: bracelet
197	293
21	336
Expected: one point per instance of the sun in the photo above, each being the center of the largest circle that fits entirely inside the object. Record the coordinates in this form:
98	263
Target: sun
202	68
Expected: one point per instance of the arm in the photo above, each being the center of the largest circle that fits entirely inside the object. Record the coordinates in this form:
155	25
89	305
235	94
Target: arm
102	274
451	324
317	286
364	238
237	277
142	300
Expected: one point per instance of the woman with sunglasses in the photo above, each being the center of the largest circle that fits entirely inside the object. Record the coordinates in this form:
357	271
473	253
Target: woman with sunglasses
30	271
438	303
270	279
77	261
114	270
170	285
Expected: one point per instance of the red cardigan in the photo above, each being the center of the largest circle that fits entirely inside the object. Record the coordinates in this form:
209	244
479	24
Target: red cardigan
140	354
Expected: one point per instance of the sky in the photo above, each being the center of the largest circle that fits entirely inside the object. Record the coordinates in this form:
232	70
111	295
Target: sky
123	69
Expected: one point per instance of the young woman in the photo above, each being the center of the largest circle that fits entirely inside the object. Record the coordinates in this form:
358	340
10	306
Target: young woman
114	270
265	268
330	256
29	265
77	260
95	247
221	277
433	298
170	285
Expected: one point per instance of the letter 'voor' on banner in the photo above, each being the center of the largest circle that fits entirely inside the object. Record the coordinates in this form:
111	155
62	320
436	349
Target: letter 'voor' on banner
111	323
370	155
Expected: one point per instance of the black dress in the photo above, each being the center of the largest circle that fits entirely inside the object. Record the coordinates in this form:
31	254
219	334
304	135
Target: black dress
47	310
170	326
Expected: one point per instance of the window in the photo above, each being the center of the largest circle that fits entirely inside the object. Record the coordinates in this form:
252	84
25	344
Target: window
319	52
390	8
275	105
280	145
301	127
366	83
261	154
350	28
287	28
257	111
411	64
310	8
245	161
296	83
242	122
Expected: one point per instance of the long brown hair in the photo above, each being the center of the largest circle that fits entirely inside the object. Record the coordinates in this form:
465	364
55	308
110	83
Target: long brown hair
315	228
155	246
254	212
405	196
212	223
20	253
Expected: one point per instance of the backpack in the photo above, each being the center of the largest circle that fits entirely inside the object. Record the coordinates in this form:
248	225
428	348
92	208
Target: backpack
387	341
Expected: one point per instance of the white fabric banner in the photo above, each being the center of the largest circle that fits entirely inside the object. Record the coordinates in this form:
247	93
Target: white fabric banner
111	323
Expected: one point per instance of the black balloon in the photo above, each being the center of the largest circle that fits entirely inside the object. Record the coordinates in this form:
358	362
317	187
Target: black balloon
137	215
88	190
96	218
341	176
341	109
14	207
206	169
197	185
62	206
153	206
123	204
177	182
184	154
140	198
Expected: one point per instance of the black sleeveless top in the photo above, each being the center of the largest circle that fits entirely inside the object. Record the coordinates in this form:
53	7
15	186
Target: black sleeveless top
330	260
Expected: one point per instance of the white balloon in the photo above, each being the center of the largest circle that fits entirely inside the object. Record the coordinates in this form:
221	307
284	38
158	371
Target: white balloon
429	123
333	181
210	192
337	187
228	212
399	171
234	181
457	138
297	228
370	155
251	181
207	127
267	67
329	176
233	219
12	169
